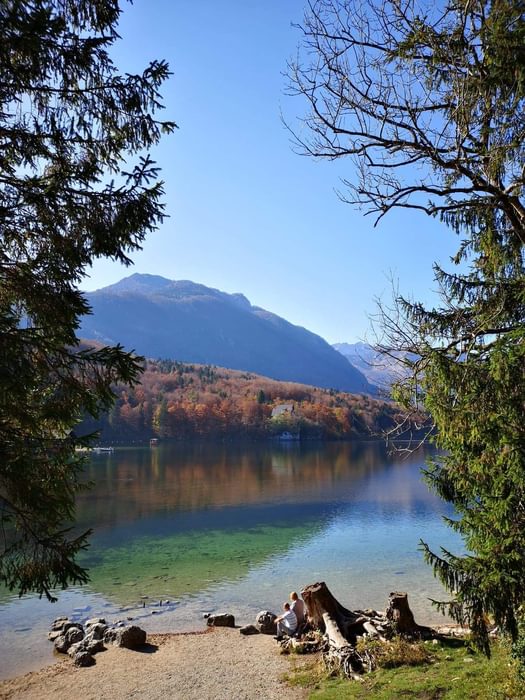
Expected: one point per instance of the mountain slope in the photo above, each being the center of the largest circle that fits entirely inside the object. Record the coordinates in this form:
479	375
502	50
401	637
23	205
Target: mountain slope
189	322
380	370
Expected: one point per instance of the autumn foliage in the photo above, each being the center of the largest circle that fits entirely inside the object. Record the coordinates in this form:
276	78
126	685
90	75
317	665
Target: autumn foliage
183	401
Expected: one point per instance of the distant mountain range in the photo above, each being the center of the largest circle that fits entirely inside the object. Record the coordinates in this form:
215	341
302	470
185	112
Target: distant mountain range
185	321
379	369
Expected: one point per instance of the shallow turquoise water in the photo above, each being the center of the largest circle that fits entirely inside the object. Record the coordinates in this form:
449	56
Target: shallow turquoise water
209	527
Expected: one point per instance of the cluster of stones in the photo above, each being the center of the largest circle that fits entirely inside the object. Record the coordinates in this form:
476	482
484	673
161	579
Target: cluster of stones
82	642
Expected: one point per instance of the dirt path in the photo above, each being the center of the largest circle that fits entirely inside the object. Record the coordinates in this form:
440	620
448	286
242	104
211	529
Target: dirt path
217	665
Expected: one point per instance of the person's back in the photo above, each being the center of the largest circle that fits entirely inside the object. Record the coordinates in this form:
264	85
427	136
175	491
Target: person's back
287	622
298	607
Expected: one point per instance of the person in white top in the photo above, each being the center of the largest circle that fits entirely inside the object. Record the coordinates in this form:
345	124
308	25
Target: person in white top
287	622
297	605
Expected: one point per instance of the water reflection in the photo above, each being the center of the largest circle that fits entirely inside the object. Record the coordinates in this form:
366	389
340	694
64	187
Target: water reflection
227	526
137	484
178	519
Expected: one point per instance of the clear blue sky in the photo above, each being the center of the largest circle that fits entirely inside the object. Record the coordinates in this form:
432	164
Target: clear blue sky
246	213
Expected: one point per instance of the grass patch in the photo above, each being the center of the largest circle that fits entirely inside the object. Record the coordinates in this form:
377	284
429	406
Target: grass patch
427	672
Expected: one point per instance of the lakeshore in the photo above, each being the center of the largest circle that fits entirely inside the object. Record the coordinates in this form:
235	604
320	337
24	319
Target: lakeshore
217	664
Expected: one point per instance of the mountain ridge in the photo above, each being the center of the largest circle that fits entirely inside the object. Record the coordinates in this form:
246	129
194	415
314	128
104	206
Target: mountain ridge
189	322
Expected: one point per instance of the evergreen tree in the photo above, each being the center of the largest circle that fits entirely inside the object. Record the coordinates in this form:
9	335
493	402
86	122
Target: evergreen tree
428	99
75	185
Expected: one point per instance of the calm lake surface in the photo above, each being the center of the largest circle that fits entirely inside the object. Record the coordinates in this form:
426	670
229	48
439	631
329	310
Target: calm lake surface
235	528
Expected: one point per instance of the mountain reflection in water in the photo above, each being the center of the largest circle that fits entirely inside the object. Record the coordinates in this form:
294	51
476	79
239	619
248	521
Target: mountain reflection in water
132	484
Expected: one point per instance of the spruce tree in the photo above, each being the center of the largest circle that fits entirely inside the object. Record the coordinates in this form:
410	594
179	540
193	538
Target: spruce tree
76	184
428	101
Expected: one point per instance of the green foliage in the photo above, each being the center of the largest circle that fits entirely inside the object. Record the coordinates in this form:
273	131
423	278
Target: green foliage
452	674
518	650
442	87
75	185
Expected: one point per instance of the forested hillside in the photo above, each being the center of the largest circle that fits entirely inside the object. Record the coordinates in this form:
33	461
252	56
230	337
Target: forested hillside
184	401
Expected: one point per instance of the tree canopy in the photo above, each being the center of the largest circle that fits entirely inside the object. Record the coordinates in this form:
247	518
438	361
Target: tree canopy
427	100
76	184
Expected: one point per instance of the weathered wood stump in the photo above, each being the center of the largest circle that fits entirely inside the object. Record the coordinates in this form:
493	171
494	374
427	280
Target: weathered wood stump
327	613
342	626
399	614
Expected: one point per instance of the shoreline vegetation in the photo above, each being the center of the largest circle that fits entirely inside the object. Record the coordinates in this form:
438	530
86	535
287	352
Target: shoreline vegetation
180	401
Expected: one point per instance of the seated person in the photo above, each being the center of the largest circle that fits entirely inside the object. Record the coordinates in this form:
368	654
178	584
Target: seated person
298	606
287	622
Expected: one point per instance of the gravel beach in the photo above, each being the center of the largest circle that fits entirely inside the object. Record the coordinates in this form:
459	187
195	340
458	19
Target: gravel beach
219	664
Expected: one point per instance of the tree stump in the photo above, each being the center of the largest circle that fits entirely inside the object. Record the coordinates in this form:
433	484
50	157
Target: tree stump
400	615
320	601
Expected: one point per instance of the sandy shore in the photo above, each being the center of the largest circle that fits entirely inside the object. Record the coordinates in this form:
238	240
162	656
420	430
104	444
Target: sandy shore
219	664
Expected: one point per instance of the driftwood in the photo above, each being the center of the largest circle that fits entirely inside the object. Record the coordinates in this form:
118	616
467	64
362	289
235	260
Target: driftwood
342	627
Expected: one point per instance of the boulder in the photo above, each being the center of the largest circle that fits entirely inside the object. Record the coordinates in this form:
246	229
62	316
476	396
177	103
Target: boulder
97	630
71	636
221	620
59	623
84	658
249	629
54	634
61	644
131	637
62	624
71	625
95	621
110	635
265	622
92	646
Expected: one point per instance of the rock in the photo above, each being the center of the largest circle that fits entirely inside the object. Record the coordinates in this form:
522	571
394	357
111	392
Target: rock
221	620
265	622
92	646
249	629
71	625
61	644
95	621
59	623
71	636
97	630
54	635
130	637
84	658
110	635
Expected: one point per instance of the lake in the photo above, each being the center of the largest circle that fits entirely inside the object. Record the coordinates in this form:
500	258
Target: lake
212	527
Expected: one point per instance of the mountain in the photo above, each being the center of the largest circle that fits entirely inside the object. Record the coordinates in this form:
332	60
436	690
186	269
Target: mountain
189	322
380	370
